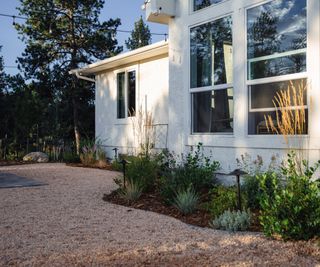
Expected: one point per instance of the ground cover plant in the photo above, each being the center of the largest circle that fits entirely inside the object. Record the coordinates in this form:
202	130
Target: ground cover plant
233	221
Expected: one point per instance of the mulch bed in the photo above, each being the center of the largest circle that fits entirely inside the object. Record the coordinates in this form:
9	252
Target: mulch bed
154	202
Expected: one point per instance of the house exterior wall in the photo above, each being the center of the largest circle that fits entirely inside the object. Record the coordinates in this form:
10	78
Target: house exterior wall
151	93
227	147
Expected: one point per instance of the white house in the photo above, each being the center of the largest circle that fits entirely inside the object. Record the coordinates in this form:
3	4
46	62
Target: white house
215	79
126	86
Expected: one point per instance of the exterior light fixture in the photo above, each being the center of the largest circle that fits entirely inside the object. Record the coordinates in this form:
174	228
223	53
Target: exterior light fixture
115	152
238	173
124	163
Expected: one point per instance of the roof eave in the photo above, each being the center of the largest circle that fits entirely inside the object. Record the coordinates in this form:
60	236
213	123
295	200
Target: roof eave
136	55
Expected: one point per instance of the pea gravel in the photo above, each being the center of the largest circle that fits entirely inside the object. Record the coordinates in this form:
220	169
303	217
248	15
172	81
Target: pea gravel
66	223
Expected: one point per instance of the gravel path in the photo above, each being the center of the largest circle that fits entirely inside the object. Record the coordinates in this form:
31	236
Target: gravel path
66	223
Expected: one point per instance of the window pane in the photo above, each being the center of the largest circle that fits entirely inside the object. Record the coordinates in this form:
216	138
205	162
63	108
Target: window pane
213	111
199	4
121	95
262	95
131	93
277	38
211	53
257	123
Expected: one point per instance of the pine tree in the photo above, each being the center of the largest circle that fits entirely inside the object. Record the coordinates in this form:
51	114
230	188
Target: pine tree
63	35
140	36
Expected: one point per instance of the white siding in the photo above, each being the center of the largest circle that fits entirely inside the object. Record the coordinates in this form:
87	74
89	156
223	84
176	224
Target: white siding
152	82
226	148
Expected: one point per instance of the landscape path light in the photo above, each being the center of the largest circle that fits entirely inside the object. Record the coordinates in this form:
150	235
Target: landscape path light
124	164
238	173
115	153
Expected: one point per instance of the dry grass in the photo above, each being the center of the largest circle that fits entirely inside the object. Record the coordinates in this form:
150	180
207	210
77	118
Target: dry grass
290	111
291	118
143	130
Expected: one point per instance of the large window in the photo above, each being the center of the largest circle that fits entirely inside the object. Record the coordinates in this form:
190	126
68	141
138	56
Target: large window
199	4
276	56
211	76
126	94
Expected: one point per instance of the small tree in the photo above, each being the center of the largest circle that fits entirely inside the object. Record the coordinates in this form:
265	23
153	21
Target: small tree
140	36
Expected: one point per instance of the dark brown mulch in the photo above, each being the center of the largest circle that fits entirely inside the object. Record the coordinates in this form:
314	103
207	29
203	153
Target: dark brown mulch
154	202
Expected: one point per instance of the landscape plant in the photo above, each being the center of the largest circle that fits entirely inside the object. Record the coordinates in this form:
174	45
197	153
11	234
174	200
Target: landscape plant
290	120
256	171
142	125
92	152
222	198
194	170
142	170
292	209
186	201
131	191
233	221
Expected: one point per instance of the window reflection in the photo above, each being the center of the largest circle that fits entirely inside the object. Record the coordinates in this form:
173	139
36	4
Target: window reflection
262	103
121	108
131	93
277	34
213	111
257	122
199	4
211	53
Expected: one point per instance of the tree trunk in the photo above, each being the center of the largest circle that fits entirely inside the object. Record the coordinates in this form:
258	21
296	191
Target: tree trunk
75	119
74	95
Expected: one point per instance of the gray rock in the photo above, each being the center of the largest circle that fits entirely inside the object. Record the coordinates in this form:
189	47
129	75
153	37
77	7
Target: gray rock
36	157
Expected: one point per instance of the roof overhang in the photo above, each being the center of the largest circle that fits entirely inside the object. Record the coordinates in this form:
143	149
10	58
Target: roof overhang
143	53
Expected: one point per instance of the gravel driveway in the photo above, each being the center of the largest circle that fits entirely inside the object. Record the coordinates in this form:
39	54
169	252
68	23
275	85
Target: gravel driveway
66	223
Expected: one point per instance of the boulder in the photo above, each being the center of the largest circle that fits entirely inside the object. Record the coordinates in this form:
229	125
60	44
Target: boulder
36	157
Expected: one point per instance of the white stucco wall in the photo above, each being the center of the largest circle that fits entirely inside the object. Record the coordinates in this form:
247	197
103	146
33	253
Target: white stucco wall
227	147
151	84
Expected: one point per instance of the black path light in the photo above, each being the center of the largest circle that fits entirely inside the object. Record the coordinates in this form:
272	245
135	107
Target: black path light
115	152
238	173
124	163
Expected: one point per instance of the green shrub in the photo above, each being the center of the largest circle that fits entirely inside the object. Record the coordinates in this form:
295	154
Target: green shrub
132	191
223	198
252	190
70	157
142	170
116	165
195	170
186	201
232	221
293	209
251	181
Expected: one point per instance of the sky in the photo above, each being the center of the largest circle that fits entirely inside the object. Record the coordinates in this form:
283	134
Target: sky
127	10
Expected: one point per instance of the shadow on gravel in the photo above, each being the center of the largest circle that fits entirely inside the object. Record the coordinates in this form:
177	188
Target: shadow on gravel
9	180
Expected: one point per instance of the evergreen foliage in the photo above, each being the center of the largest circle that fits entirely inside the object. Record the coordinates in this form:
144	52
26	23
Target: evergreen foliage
140	36
60	36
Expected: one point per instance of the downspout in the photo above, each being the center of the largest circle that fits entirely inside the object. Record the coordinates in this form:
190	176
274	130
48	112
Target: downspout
79	76
84	77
